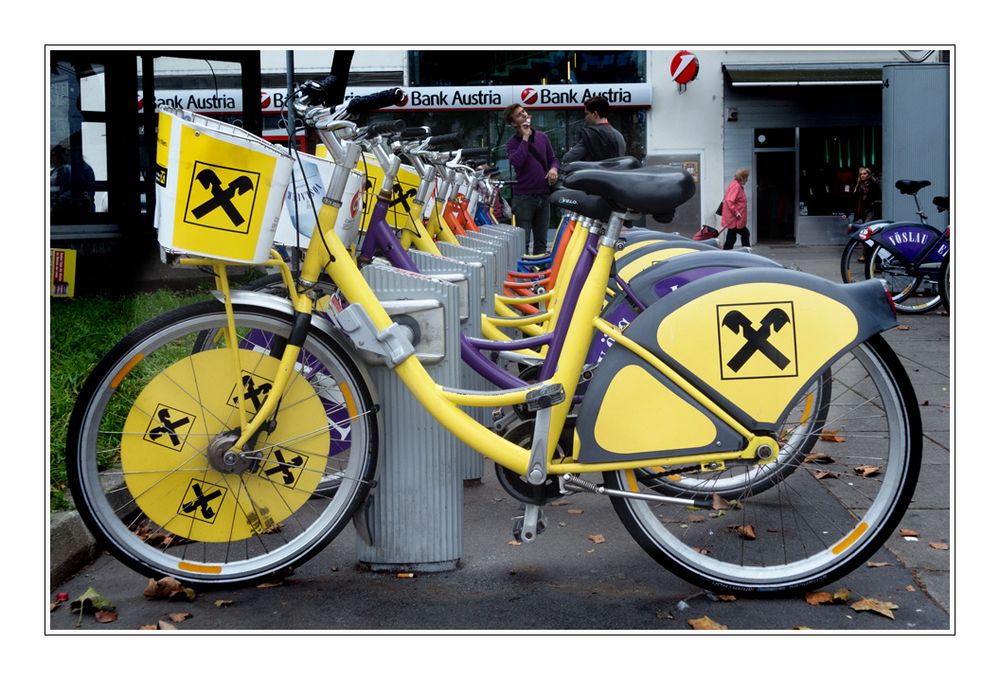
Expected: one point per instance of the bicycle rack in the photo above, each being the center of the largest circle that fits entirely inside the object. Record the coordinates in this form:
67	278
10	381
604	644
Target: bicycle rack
470	310
514	235
413	517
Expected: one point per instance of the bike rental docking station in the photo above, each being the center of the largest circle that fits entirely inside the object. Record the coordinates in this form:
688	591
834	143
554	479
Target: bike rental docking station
412	520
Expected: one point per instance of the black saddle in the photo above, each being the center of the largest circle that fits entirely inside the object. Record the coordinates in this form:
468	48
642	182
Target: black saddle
911	186
655	191
581	203
942	203
620	163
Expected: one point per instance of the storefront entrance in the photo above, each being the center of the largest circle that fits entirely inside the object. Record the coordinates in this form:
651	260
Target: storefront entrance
774	203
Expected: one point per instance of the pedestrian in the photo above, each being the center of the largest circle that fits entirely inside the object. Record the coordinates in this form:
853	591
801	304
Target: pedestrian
534	161
599	140
734	211
868	196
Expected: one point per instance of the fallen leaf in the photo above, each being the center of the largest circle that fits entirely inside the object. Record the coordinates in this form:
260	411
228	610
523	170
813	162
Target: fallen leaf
105	615
182	595
719	503
270	584
825	474
832	436
868	470
746	531
939	546
148	626
405	574
177	617
705	623
162	589
842	596
909	532
901	327
90	601
596	538
878	564
818	598
911	589
575	511
165	625
801	628
817	457
561	501
727	598
872	605
223	603
513	541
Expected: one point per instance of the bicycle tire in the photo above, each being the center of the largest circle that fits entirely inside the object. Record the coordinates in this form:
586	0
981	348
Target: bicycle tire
851	266
818	523
904	288
133	487
944	283
797	434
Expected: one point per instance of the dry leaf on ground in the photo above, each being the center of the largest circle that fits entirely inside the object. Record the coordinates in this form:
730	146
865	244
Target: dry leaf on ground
878	564
727	598
105	616
818	457
869	604
909	532
832	436
745	531
940	546
575	511
596	538
177	617
868	470
165	625
223	603
705	623
901	327
825	474
818	597
162	589
719	503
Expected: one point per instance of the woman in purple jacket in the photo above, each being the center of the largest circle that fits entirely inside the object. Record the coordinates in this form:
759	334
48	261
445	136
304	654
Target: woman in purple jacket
533	159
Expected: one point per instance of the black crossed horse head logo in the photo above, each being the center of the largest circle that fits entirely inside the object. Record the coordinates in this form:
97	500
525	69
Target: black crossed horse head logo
757	340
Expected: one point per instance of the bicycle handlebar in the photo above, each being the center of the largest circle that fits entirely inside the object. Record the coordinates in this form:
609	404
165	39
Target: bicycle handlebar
388	127
374	101
413	133
451	138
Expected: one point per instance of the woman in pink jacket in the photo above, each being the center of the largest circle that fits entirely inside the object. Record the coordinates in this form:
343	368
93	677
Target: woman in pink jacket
734	211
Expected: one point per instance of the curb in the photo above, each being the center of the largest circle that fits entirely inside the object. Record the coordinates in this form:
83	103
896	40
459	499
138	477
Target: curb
70	546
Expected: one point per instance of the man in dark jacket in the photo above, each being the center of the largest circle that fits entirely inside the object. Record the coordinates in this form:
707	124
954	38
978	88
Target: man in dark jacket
598	139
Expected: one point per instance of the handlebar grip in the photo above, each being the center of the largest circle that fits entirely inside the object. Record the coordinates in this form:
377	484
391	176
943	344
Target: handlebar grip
387	127
450	138
376	101
322	92
411	133
476	151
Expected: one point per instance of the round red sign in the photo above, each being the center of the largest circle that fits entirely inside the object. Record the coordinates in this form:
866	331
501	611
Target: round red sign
684	67
529	95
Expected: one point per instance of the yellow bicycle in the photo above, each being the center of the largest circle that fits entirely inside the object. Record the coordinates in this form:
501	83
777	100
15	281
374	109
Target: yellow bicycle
206	465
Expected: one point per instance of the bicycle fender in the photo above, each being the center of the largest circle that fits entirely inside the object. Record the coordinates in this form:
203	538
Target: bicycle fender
909	240
751	340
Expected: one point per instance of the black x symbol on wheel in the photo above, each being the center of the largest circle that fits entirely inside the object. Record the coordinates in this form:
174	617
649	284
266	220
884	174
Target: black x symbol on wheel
167	427
201	502
284	467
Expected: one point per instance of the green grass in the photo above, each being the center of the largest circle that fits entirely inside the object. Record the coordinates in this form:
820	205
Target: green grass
81	331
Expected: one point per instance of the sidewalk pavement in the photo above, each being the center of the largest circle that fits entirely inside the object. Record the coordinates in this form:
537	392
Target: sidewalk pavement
564	581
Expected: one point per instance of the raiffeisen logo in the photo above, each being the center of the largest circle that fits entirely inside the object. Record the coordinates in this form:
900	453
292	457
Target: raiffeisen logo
529	95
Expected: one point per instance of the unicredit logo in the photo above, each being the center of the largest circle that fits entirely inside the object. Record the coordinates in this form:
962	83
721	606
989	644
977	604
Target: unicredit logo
404	100
265	100
529	96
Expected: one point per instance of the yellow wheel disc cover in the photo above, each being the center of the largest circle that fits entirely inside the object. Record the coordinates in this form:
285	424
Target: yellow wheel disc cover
183	409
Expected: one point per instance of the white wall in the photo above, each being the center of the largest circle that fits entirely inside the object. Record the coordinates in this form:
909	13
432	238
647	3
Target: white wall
693	121
273	61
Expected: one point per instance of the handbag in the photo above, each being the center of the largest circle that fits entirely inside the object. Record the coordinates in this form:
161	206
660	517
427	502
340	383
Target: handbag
706	233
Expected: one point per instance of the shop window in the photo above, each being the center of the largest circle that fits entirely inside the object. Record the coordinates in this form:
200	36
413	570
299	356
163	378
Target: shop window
508	67
829	161
78	155
774	138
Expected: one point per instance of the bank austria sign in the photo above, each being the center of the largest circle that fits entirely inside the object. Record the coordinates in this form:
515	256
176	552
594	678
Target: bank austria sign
456	98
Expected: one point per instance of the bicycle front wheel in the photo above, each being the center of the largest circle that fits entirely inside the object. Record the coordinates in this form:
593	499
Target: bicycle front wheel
147	447
814	523
911	293
852	262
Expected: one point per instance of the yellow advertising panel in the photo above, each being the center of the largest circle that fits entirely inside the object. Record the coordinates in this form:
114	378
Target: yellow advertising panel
757	343
63	268
166	455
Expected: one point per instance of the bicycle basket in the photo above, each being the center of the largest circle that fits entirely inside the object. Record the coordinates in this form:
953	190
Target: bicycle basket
219	188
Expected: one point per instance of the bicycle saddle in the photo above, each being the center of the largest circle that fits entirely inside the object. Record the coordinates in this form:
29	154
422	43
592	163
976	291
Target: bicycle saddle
581	203
620	163
655	191
942	203
911	186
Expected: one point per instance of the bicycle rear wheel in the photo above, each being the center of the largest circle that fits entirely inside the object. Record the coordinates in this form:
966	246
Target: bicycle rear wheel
817	522
912	294
852	261
146	455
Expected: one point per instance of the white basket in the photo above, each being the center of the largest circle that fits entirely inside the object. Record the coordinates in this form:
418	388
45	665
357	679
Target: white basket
219	188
